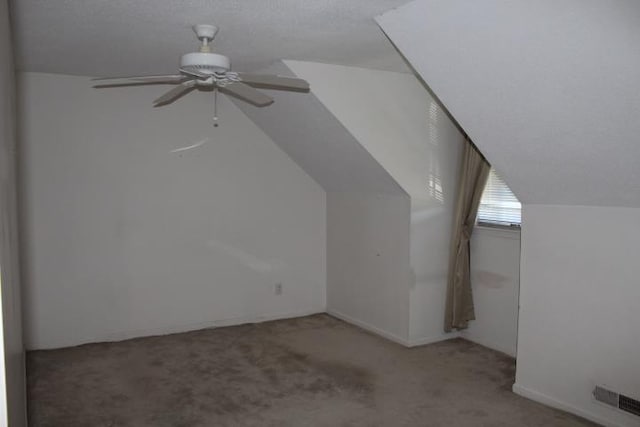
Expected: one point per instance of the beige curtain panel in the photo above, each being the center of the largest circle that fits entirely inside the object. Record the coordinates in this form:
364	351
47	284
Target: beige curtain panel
471	181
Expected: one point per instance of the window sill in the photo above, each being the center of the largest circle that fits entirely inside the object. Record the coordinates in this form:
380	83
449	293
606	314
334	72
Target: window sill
498	231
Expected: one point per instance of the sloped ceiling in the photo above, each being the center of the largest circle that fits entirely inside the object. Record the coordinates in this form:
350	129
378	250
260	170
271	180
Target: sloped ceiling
396	120
312	136
549	91
124	37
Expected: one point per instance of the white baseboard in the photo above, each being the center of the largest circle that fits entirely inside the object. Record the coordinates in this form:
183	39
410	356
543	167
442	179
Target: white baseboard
138	333
368	327
550	401
414	342
502	349
389	335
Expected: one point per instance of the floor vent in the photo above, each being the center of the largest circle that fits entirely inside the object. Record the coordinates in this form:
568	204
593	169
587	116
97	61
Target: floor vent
630	405
606	396
620	401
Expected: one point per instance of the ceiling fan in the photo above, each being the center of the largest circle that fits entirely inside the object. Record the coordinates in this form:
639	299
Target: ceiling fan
211	71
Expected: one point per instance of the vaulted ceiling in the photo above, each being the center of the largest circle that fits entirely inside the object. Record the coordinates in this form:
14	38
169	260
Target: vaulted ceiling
120	37
548	90
314	138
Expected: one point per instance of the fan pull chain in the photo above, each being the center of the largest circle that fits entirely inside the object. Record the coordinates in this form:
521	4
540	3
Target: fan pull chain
215	107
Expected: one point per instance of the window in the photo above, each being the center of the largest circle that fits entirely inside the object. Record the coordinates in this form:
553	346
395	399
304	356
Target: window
498	206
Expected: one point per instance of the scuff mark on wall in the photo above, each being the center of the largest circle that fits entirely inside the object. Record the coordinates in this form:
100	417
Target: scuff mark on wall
489	279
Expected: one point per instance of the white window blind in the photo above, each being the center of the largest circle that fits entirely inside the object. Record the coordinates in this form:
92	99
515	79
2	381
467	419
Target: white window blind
498	206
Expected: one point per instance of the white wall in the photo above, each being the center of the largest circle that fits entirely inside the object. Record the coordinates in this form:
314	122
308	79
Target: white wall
125	238
367	211
368	261
495	280
431	221
403	128
12	373
579	300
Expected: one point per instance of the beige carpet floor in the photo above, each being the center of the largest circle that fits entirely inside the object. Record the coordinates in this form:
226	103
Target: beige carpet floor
310	371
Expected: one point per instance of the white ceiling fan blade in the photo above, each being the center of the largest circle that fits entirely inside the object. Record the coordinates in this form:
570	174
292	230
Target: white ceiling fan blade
194	73
247	93
273	81
174	93
157	78
136	83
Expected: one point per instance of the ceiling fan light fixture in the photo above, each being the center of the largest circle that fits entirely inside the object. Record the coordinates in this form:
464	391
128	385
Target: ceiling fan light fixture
208	63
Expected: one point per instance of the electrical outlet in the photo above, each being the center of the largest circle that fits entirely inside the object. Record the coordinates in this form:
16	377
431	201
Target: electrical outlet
277	289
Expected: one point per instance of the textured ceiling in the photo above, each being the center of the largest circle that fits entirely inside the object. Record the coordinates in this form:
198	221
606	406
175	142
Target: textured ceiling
116	37
548	90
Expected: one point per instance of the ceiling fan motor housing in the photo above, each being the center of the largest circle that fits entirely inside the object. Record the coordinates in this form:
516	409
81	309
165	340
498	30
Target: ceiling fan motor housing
205	62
